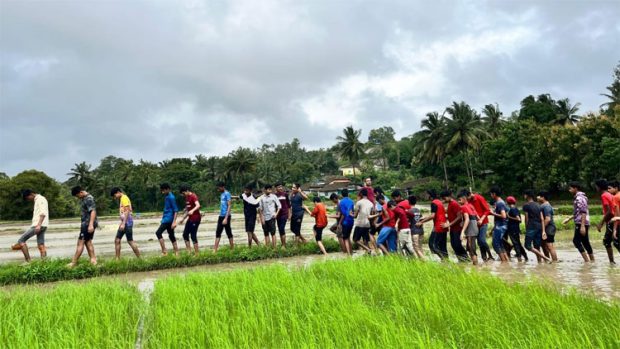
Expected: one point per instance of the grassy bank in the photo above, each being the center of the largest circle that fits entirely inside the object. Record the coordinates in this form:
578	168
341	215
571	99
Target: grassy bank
55	269
370	303
97	315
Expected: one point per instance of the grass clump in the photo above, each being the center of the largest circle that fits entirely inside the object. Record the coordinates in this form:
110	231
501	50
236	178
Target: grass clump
97	315
55	269
372	303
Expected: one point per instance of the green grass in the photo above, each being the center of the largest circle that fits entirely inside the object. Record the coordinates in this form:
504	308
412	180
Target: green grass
97	315
55	269
372	303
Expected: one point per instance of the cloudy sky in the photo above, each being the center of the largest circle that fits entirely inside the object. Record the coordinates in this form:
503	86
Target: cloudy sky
80	80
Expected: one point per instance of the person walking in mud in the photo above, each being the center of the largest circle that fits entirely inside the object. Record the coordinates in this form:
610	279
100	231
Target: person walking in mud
168	220
38	226
88	225
126	225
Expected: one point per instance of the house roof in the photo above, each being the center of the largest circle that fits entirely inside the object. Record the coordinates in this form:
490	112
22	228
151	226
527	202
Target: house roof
328	183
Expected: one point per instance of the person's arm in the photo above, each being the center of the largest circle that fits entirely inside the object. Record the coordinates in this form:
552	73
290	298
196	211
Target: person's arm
465	224
582	229
228	206
91	222
304	196
458	218
356	210
37	228
542	219
485	213
311	213
606	218
261	215
279	207
515	218
124	217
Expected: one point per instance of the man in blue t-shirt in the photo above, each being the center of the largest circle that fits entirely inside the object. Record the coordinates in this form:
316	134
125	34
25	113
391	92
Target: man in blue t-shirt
499	230
168	220
223	221
346	218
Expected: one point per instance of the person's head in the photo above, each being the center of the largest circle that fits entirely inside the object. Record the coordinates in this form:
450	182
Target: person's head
495	192
528	194
601	185
469	194
363	193
164	188
28	194
316	199
185	190
391	204
368	182
462	197
344	193
296	188
381	199
397	196
542	196
432	194
279	187
446	195
378	191
612	187
334	198
511	200
78	192
116	192
248	189
412	200
221	187
267	189
574	187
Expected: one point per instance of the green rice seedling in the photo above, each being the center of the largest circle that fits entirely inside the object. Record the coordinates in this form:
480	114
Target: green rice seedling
373	303
94	315
55	269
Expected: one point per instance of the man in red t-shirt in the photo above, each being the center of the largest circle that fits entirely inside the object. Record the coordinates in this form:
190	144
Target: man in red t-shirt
437	242
614	189
607	200
402	213
370	189
482	209
192	214
455	224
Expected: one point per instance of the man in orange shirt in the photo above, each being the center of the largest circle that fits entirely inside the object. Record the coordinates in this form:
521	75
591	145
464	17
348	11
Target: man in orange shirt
613	188
320	221
607	200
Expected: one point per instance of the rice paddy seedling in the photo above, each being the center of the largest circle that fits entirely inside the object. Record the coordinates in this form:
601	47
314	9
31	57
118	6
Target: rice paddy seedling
94	315
55	269
373	303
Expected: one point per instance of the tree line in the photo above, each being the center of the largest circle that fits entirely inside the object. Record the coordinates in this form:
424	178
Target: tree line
544	144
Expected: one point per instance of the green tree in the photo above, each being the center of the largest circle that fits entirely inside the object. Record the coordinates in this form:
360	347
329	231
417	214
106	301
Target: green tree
240	166
541	109
350	147
81	175
613	95
430	142
566	113
382	144
492	119
464	133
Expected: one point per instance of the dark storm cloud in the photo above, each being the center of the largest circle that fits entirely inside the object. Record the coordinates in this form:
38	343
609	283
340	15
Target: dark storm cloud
82	80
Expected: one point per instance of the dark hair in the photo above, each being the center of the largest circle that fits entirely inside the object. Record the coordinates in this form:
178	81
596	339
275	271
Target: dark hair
432	193
114	191
316	199
396	193
412	200
184	188
544	194
446	193
277	184
495	190
529	193
297	185
268	186
380	197
334	196
391	203
164	186
575	184
249	187
345	193
26	193
220	185
378	191
614	184
463	194
364	192
76	190
601	184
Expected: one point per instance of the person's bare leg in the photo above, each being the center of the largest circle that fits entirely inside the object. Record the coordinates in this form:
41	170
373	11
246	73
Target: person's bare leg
321	247
162	244
267	241
303	239
363	246
347	245
91	252
538	254
273	241
117	248
585	257
552	252
217	245
610	254
249	239
255	238
42	251
134	247
591	257
25	252
343	248
188	247
384	249
283	240
231	243
196	249
175	246
78	253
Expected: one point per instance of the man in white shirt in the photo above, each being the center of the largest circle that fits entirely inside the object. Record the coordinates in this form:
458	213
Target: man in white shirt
40	221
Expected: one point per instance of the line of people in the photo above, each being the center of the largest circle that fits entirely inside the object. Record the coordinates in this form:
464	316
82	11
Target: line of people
372	222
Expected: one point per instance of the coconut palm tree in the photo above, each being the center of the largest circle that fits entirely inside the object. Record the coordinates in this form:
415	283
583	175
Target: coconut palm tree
430	141
241	164
492	119
350	147
464	132
566	113
81	175
613	95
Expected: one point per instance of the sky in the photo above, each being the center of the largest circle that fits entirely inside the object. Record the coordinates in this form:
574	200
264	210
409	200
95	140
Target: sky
153	80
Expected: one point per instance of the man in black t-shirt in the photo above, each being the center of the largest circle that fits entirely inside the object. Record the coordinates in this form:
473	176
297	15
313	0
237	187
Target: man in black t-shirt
250	205
534	228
